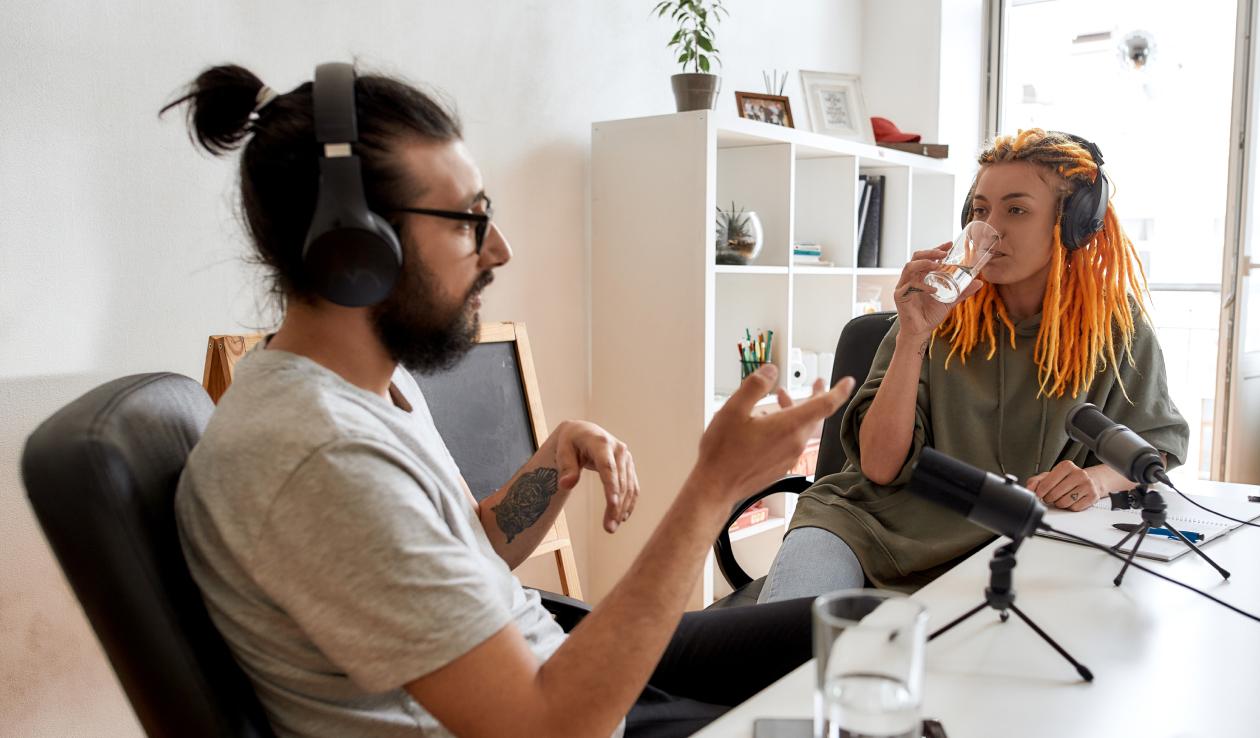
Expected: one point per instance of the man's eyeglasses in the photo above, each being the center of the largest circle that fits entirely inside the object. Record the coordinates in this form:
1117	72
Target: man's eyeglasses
480	221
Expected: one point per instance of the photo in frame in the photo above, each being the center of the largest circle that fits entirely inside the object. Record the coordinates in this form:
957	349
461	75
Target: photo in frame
766	108
835	105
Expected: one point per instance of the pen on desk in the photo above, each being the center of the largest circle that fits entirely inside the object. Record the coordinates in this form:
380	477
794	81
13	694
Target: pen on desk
1166	533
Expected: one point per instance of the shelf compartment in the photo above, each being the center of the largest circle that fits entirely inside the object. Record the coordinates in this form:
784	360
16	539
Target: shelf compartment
894	245
821	306
759	178
766	525
756	302
826	206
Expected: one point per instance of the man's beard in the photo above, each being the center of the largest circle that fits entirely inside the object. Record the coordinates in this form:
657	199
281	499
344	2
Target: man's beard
416	331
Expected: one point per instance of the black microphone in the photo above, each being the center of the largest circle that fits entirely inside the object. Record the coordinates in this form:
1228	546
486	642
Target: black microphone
1115	445
1000	505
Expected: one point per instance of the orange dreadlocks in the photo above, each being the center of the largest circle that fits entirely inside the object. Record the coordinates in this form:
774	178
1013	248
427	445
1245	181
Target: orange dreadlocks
1086	312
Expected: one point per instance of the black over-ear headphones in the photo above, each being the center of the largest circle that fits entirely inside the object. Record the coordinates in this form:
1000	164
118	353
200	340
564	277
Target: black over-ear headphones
1083	210
351	256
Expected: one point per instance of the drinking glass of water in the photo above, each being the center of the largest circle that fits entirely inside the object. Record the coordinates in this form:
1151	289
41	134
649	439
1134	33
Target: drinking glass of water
970	252
868	646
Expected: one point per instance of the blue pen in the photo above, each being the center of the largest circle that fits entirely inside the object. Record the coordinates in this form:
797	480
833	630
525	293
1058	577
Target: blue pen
1190	535
1131	527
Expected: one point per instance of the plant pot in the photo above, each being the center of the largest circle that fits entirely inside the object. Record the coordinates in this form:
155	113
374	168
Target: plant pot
739	237
695	90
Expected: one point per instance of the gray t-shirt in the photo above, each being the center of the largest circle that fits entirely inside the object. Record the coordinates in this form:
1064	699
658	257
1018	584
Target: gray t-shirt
337	551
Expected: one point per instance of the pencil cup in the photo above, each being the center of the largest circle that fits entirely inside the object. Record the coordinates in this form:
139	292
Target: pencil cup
748	367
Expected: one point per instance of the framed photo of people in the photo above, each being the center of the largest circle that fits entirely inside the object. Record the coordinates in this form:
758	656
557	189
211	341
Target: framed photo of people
766	108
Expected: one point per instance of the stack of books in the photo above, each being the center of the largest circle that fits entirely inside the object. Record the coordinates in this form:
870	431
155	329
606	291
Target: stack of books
808	254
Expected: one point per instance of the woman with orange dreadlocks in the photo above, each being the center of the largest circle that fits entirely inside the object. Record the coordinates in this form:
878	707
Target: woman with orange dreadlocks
1055	318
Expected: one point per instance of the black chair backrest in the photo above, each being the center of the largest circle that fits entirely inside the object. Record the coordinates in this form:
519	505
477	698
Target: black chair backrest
101	475
859	341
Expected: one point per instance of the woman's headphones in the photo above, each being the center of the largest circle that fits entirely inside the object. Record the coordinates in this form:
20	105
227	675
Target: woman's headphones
352	256
1083	210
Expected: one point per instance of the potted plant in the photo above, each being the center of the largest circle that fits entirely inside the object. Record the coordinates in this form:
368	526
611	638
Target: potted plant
696	89
739	235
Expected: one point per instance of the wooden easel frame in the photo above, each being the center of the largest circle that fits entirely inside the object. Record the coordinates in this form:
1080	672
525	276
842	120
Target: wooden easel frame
557	540
224	351
221	357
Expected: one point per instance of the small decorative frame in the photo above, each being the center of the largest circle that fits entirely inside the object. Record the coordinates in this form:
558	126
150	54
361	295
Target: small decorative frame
835	105
766	108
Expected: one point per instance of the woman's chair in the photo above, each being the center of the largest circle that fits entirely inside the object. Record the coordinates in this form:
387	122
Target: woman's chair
855	351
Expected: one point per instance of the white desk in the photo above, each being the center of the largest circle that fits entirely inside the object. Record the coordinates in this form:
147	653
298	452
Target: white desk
1167	662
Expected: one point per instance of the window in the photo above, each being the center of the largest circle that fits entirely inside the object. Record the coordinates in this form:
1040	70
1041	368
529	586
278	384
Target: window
1151	84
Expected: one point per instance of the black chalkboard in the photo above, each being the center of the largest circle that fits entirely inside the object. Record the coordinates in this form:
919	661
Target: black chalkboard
479	408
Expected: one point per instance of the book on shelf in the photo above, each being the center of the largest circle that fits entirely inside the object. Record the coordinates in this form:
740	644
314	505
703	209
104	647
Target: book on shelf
757	513
872	226
863	199
808	254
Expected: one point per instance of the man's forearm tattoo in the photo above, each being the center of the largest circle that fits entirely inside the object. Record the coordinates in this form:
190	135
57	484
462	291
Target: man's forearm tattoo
526	501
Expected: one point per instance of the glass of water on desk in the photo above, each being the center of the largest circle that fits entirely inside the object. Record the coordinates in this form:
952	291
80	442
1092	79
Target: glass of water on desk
868	647
970	252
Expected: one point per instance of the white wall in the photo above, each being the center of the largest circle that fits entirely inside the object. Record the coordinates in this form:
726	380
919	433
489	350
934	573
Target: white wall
927	75
901	50
119	251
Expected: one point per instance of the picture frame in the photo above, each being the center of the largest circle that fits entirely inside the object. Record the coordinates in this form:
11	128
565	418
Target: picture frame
835	105
773	109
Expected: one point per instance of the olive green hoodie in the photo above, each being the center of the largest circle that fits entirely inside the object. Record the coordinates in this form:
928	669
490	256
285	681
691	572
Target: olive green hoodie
987	413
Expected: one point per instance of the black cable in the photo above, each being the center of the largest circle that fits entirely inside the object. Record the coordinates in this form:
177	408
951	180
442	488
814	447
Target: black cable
1164	478
1152	572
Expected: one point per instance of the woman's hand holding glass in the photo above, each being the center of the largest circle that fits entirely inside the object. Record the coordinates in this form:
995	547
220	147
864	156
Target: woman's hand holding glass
917	310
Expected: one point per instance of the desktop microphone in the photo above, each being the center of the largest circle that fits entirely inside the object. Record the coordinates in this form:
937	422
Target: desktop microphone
1115	445
1006	508
1000	505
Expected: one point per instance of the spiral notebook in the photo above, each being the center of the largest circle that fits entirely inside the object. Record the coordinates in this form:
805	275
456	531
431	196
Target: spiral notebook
1096	523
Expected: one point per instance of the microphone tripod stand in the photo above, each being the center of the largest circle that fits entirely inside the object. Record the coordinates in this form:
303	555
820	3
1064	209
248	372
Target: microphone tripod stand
1153	516
1000	595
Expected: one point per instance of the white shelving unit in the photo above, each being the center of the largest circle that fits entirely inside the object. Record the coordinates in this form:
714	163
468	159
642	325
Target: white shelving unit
666	318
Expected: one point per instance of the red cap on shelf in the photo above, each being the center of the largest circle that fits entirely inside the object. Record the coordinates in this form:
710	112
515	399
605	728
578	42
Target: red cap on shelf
887	132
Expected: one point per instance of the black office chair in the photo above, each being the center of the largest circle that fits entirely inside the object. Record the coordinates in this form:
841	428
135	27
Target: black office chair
101	475
855	351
